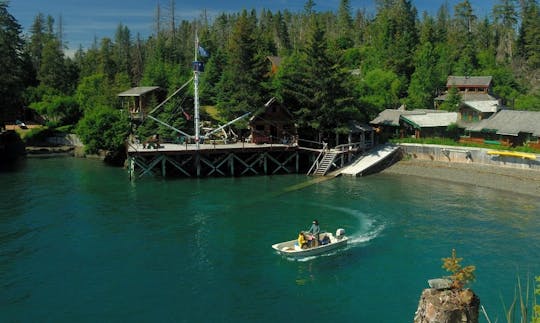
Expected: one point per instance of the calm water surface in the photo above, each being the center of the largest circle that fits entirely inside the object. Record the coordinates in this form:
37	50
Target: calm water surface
79	242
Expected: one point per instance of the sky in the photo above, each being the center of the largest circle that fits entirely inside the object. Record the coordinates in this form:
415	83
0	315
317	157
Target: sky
84	20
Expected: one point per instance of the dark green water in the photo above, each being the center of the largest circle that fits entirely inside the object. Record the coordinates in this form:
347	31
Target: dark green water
79	242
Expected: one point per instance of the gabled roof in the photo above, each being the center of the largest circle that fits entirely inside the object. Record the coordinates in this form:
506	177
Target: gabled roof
468	81
390	117
483	106
356	127
431	120
510	123
469	97
267	106
138	91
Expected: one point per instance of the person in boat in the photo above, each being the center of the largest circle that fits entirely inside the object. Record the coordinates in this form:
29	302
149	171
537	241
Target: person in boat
325	240
302	242
315	231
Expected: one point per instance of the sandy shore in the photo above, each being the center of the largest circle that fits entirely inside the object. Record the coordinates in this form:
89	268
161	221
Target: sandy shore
503	178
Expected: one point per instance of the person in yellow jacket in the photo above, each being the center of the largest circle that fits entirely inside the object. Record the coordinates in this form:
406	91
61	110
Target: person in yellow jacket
302	243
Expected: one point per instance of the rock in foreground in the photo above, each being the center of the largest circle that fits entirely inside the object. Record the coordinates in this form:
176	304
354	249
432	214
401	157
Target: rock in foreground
447	306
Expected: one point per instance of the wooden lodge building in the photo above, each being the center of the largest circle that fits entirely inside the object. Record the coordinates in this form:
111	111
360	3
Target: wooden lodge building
480	118
400	123
508	128
275	124
477	101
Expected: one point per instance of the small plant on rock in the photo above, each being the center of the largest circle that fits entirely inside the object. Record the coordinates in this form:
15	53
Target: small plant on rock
461	276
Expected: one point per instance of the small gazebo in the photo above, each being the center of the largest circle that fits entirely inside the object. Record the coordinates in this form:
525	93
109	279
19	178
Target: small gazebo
137	100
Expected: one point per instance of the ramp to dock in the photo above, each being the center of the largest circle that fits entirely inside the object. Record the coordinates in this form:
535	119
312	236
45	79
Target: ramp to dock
369	160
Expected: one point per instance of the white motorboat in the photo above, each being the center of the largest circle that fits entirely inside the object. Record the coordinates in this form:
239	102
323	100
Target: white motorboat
292	249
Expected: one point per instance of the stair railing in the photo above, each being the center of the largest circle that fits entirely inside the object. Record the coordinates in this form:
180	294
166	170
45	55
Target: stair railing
315	164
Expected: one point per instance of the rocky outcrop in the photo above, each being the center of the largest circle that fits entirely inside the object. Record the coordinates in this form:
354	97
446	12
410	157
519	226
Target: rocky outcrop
447	306
11	146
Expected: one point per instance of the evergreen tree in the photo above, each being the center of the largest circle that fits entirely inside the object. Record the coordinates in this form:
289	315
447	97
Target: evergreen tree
211	77
240	88
12	75
395	36
137	60
463	38
506	20
453	100
282	39
107	64
316	89
344	25
442	23
378	90
37	40
53	73
529	34
423	81
122	50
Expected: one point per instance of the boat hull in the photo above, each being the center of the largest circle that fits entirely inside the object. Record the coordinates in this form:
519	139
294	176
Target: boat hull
290	248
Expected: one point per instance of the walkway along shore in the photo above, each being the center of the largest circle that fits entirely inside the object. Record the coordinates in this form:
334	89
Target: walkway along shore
522	181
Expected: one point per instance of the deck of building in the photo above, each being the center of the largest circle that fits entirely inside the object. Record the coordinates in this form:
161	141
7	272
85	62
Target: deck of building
181	149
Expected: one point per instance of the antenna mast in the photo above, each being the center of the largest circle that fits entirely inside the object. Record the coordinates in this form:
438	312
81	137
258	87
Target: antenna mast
196	70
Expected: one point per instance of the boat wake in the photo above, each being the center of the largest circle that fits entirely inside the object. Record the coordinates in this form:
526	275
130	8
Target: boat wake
369	229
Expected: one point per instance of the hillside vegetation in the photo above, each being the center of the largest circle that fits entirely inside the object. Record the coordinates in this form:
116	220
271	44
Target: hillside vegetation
335	66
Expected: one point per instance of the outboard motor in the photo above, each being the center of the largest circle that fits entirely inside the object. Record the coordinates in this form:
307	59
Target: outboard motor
340	233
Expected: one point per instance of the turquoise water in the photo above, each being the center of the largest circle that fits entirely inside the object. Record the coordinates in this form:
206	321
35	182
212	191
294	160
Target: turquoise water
79	242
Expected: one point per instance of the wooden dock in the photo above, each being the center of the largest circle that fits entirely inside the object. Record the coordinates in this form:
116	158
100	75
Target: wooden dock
169	148
212	159
369	160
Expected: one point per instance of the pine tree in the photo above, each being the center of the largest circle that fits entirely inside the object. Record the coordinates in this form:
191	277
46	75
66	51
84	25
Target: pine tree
506	20
463	38
11	71
122	50
529	34
240	87
37	40
282	38
395	36
344	25
424	80
316	89
53	73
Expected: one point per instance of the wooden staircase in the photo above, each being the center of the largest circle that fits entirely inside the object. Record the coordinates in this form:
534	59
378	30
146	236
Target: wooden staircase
325	163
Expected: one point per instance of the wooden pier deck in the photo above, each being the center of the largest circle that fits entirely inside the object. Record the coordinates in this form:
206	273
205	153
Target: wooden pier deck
212	159
181	149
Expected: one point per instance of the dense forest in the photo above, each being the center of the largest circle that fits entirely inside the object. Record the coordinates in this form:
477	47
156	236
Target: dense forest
335	66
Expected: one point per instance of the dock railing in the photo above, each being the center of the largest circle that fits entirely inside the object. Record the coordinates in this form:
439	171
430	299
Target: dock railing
315	164
349	147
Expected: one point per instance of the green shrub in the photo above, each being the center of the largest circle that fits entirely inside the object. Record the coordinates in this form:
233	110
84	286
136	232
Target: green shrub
103	128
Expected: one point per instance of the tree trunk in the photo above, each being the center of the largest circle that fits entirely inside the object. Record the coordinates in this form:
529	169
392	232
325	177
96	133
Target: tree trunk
447	306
